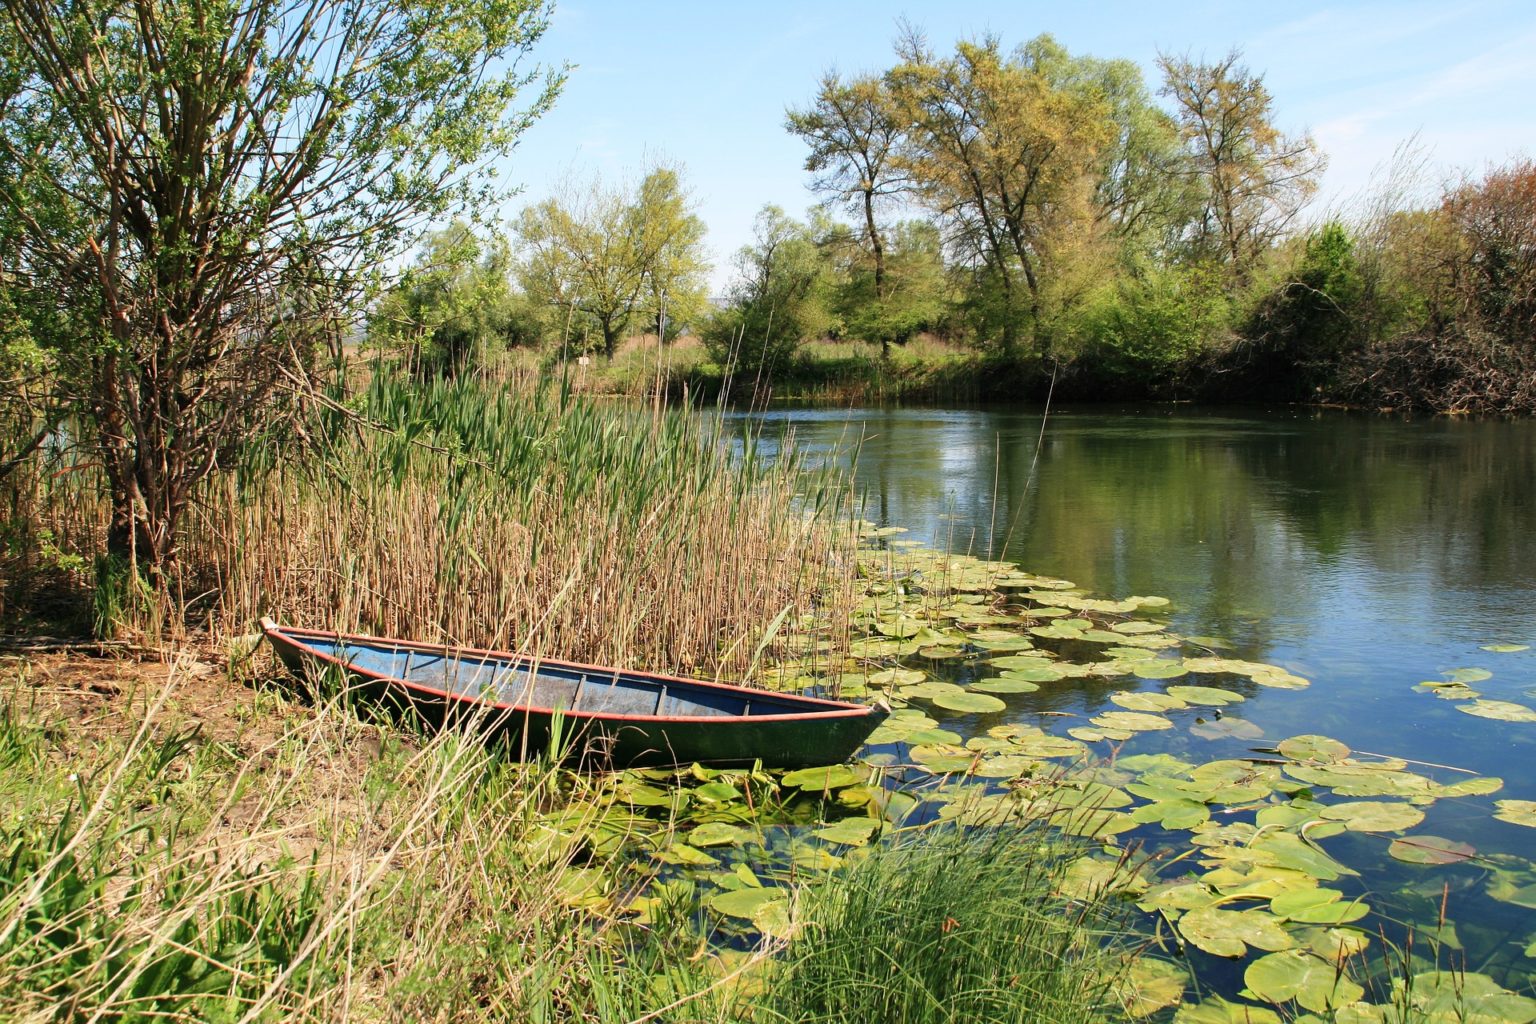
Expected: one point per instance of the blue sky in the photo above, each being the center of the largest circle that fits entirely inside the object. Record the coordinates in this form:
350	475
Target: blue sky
705	85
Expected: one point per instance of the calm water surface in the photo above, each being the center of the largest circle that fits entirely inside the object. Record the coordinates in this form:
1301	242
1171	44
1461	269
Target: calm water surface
1362	552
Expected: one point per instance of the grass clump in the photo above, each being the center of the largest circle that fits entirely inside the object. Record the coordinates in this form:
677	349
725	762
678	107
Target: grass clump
956	926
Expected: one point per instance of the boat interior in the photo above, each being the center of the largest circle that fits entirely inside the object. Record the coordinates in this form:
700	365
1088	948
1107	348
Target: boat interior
536	684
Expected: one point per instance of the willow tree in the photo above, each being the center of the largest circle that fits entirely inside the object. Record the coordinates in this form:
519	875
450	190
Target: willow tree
610	254
1254	179
203	187
1007	158
854	131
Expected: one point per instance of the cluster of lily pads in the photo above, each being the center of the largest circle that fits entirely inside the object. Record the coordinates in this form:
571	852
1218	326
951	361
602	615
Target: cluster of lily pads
1227	859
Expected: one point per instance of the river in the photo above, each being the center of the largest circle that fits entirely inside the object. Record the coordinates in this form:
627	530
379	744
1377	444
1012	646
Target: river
1363	552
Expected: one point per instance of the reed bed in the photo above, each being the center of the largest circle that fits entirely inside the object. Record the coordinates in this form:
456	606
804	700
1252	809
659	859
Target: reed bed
532	518
595	531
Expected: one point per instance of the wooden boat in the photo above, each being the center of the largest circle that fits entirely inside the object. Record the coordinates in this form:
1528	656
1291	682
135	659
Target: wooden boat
617	718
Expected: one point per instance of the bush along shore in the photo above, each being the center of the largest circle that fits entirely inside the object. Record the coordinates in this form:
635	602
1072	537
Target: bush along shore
185	838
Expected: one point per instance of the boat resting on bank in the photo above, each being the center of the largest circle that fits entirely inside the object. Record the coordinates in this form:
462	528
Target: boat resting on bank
618	718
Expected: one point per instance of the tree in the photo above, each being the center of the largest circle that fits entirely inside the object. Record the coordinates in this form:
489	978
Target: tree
453	306
777	301
207	185
1006	159
1494	267
607	253
1254	179
854	129
916	294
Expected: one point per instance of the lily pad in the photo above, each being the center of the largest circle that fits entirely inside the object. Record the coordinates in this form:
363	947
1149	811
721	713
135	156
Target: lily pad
1317	906
1150	985
1313	748
1177	813
1506	648
1374	815
1502	710
1230	932
1141	700
849	831
1004	684
1158	668
1516	812
744	903
1229	727
1134	721
1306	978
1210	696
831	777
1217	1010
1425	849
719	833
1457	996
968	701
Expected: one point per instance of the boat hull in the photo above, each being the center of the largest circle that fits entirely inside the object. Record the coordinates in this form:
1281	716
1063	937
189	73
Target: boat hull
787	731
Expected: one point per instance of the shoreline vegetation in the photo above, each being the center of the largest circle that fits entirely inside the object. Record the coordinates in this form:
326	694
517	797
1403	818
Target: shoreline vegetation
188	838
200	231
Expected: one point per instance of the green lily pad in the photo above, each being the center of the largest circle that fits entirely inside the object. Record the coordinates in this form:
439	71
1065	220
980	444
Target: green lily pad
1004	684
1317	906
717	792
1141	700
1149	985
1374	815
1230	932
1050	746
967	701
1425	849
744	903
820	779
1228	727
1134	721
1480	786
1313	748
1468	675
719	833
1210	696
1217	1010
1297	975
1174	814
849	831
1158	668
1506	648
1502	710
897	677
1516	812
1464	996
1138	626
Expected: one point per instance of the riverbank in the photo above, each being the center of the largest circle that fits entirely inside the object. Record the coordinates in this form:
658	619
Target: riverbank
1445	375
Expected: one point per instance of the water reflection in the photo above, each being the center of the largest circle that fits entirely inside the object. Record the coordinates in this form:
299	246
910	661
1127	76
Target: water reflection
1364	552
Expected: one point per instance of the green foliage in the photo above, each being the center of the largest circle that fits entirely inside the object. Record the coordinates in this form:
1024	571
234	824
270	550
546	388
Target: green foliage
1152	328
453	308
1304	327
153	201
914	298
780	299
610	261
952	926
